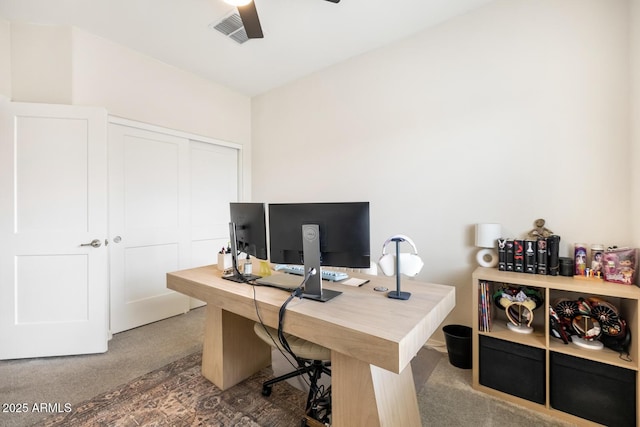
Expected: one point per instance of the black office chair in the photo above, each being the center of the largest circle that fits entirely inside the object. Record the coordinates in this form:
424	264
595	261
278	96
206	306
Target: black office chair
313	361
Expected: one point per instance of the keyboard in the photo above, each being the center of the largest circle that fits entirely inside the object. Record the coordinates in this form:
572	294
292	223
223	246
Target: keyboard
333	276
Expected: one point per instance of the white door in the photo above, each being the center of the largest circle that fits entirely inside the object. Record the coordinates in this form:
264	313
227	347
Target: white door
168	210
148	224
214	183
53	199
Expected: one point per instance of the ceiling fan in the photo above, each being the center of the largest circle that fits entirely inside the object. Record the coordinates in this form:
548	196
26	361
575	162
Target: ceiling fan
249	16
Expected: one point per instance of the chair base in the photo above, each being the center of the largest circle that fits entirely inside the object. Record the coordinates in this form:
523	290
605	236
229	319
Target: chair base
318	406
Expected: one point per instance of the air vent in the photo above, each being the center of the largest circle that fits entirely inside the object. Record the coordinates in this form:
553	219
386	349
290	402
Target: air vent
231	26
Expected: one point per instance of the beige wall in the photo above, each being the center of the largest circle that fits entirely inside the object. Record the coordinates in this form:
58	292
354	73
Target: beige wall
137	87
66	65
5	58
41	58
140	88
515	111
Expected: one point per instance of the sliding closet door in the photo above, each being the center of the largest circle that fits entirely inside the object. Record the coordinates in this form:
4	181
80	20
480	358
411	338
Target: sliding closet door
168	210
214	183
148	215
53	204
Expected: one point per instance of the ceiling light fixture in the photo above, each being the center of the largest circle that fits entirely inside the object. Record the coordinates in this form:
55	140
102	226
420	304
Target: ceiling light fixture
238	2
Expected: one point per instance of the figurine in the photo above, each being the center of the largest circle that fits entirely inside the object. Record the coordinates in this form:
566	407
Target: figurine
539	230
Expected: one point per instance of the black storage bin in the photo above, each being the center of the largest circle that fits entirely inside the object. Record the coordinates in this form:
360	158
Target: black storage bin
595	391
513	368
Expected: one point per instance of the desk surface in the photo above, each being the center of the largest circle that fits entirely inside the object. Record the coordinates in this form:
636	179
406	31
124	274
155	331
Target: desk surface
361	323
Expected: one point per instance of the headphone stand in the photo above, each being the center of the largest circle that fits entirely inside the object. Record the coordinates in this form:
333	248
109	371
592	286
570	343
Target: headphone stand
397	294
588	344
521	329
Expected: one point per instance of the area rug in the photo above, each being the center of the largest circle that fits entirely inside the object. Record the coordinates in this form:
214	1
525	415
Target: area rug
178	395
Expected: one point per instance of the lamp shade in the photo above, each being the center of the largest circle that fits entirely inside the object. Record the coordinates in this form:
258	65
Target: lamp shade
487	234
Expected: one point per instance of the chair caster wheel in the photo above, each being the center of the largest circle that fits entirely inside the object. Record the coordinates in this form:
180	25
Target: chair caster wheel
266	391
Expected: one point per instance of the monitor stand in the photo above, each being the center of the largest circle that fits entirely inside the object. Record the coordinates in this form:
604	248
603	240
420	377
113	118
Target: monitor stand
241	278
236	275
311	253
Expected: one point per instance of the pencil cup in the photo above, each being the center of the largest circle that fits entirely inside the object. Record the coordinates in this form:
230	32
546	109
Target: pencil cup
224	262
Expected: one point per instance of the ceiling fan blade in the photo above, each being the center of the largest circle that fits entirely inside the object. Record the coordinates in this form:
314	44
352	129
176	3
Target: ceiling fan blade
334	1
250	20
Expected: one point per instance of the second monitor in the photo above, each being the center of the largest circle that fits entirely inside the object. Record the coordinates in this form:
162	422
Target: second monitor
248	234
320	234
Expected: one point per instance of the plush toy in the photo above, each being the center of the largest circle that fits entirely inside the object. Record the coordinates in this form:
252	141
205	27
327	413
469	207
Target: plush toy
539	230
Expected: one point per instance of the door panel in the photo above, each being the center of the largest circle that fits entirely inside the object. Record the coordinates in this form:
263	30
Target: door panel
146	280
152	175
41	140
53	291
214	183
64	303
169	203
148	204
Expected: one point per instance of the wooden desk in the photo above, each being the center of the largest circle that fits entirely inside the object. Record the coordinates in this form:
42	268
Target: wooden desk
372	338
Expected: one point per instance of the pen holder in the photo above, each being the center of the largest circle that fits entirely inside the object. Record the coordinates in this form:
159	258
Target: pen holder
224	262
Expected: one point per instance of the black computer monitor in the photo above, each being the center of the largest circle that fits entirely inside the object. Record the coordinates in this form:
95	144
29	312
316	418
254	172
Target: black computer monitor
247	233
320	234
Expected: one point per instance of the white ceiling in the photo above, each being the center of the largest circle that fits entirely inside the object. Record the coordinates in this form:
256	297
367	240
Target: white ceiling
301	36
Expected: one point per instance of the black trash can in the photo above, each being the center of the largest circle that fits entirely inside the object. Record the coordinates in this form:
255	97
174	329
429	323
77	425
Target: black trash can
458	339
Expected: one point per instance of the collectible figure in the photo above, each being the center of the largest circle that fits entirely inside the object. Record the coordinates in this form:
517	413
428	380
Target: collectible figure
620	265
580	259
539	230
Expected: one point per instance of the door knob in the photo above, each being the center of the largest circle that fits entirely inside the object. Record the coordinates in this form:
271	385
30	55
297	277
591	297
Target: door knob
95	243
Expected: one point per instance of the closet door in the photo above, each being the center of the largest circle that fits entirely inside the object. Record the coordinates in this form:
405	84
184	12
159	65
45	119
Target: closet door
53	203
168	210
214	183
148	224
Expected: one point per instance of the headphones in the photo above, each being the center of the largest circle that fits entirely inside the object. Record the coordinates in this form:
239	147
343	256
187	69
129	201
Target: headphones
410	263
592	319
531	298
517	316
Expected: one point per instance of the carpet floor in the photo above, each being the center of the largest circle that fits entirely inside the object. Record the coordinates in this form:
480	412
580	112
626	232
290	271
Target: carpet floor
178	395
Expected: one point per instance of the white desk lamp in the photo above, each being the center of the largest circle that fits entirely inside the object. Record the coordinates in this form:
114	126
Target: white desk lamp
486	238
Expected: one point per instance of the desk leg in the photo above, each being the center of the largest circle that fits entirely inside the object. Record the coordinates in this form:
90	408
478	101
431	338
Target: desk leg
231	350
366	395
